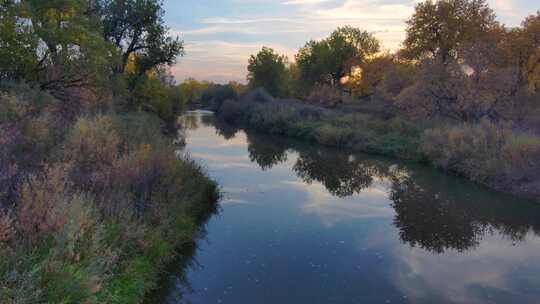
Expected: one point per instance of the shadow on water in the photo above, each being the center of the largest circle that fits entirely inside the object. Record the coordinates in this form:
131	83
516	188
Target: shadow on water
433	212
176	275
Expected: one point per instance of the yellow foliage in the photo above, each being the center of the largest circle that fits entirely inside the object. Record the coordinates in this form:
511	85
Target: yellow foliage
131	66
364	79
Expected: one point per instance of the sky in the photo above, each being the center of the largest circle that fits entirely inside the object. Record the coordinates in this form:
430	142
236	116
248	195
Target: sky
220	35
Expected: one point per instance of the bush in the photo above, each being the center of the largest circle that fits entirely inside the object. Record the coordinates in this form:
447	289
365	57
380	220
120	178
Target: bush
325	95
333	136
487	153
215	95
230	111
151	95
93	141
98	225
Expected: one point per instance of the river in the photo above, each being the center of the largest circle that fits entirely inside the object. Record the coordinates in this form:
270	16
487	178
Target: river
300	223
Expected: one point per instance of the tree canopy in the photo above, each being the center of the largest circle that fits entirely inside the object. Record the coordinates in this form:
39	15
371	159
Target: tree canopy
329	60
137	27
440	28
268	69
53	43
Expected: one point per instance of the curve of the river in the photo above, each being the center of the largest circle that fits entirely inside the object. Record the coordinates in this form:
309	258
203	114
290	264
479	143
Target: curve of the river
301	223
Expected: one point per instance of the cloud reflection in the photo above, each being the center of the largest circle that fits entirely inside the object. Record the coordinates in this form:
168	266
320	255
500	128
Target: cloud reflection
371	203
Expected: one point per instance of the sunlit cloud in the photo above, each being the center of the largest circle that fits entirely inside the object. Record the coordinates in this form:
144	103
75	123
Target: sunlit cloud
219	41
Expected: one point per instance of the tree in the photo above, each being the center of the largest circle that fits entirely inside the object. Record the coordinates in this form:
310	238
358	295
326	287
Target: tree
18	58
449	91
193	89
533	72
365	79
397	78
520	46
54	43
268	69
438	29
137	27
329	60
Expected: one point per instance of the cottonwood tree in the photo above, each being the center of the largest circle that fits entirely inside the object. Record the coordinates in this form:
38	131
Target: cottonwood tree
268	69
55	44
449	90
18	57
438	29
329	60
137	29
365	79
533	72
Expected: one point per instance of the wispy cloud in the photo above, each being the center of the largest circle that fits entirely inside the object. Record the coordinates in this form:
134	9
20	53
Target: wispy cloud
219	42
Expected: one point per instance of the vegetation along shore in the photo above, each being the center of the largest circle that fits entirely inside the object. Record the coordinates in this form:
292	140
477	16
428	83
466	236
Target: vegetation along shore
94	201
464	98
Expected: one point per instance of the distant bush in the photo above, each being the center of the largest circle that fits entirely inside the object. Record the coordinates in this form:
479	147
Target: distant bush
230	110
215	95
363	132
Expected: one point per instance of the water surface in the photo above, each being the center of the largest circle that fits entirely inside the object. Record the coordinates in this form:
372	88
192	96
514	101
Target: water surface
301	223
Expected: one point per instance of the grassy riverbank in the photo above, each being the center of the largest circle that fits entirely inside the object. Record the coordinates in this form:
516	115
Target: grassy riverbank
91	209
497	156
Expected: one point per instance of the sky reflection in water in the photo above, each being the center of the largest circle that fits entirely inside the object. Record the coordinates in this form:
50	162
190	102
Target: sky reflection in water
306	224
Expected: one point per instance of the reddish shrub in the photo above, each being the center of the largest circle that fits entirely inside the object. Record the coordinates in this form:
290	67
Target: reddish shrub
7	227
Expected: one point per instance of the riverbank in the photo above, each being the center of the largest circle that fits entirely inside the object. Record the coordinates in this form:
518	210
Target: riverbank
353	224
92	208
495	155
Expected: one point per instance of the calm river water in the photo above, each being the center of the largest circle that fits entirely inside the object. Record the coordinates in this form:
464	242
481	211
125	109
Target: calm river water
300	223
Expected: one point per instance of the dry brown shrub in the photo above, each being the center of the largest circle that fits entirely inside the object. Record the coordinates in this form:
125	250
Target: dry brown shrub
37	214
326	95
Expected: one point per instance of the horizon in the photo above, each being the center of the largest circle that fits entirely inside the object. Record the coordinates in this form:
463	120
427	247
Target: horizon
220	36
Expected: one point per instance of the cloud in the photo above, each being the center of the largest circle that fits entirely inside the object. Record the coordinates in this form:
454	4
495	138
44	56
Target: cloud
218	46
372	202
304	2
457	277
220	61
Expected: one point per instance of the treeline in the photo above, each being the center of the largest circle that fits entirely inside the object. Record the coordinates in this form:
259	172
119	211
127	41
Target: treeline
463	93
457	62
94	200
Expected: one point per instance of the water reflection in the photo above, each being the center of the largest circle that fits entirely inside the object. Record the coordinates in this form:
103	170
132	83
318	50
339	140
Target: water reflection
433	211
336	227
436	216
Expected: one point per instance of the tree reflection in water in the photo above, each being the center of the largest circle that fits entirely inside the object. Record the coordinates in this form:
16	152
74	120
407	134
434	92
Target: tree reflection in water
434	212
437	215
